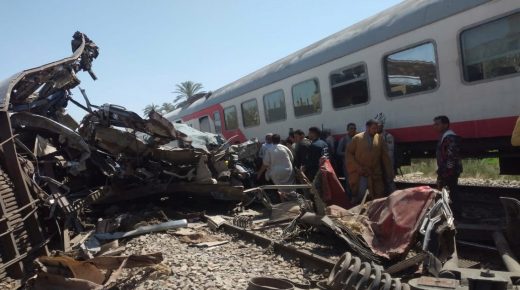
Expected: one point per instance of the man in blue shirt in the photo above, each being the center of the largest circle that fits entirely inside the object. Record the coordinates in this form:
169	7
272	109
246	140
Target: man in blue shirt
317	149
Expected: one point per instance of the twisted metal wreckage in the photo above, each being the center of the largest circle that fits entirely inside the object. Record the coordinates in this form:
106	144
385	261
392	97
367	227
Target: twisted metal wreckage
51	167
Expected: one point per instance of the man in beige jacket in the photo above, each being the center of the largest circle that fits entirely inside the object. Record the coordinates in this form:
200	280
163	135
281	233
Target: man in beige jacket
368	162
515	138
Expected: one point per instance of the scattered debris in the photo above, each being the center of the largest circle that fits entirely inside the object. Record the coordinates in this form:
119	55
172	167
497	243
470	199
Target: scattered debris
63	272
143	230
60	168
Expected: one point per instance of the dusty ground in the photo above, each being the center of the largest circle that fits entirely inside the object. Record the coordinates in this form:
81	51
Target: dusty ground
228	266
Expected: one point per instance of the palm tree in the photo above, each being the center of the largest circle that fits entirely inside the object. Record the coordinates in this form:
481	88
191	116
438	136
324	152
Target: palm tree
167	107
186	90
149	108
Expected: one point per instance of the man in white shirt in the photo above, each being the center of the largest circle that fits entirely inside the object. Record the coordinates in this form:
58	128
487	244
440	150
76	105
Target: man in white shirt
277	165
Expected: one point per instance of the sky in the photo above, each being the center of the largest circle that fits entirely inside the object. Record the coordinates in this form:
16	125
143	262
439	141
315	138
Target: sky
146	47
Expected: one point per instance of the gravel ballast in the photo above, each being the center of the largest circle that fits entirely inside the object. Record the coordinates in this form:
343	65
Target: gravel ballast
228	266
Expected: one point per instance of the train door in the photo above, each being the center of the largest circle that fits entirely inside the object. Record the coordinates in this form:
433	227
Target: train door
217	122
204	124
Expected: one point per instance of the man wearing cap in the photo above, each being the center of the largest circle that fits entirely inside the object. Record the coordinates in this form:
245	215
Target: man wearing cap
342	148
390	144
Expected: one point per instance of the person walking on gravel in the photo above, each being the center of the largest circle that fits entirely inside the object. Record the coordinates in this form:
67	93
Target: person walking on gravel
449	163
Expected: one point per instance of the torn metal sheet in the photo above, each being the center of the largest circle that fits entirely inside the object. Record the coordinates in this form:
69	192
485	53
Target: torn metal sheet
393	222
132	261
65	136
210	244
21	86
214	222
71	268
63	272
47	281
197	139
386	227
143	230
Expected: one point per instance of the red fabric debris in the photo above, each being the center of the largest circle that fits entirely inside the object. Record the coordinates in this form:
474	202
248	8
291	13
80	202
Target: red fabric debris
332	191
393	221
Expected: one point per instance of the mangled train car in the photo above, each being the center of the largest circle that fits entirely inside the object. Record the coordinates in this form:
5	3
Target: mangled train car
51	166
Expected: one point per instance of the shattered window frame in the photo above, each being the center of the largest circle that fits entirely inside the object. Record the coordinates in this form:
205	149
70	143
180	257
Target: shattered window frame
250	115
227	122
308	108
276	111
495	58
414	83
338	98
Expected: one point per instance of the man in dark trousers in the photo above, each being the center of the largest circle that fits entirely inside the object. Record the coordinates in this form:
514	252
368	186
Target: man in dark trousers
317	149
301	149
340	153
449	163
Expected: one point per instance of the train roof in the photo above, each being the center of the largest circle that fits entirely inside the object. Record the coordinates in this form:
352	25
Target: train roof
401	18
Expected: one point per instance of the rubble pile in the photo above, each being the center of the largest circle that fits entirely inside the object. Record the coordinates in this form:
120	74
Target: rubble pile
59	168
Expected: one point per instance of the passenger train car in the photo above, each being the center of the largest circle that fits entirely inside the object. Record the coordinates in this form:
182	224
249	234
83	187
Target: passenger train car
414	61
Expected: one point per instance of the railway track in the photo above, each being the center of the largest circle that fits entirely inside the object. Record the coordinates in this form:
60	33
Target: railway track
474	194
480	189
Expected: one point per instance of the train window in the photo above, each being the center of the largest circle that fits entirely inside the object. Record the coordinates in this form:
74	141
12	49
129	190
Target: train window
492	49
230	118
412	70
250	115
217	122
349	86
204	124
306	98
274	106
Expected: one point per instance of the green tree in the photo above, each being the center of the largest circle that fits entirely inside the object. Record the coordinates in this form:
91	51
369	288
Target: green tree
149	108
186	90
167	107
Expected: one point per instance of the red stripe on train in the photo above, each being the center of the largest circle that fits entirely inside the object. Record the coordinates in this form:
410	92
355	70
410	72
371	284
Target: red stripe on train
486	128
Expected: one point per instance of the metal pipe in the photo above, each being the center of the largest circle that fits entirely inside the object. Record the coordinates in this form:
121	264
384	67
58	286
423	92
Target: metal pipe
476	245
505	252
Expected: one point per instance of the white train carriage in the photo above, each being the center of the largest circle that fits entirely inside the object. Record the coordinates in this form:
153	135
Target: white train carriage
414	61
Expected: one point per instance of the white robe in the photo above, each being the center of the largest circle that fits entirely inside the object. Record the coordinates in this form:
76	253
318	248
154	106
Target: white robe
278	160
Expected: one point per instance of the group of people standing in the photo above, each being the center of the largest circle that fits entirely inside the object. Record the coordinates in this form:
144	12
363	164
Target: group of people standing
279	160
365	159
